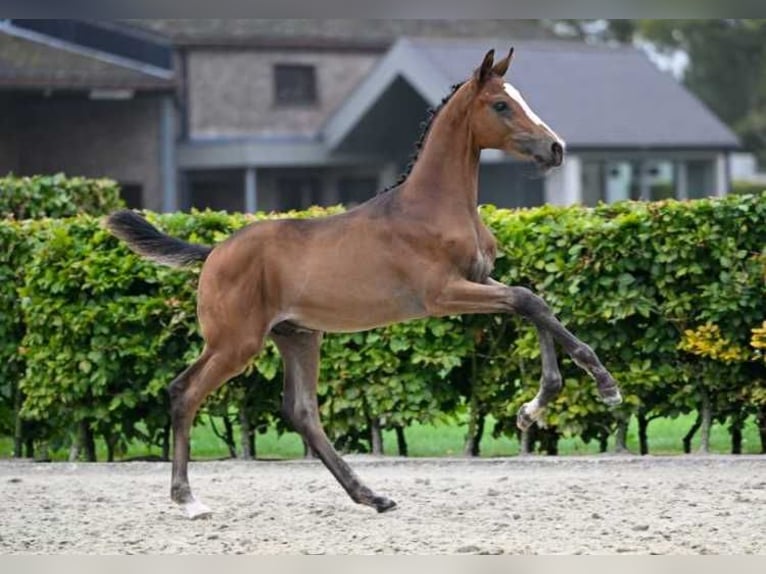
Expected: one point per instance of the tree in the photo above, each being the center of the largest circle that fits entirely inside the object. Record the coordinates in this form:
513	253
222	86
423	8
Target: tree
726	63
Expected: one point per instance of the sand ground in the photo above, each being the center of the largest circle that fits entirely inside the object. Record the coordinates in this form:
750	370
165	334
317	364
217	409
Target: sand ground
524	505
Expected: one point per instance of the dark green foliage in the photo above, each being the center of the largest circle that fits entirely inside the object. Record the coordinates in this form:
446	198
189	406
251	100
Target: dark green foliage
23	199
630	279
56	196
107	331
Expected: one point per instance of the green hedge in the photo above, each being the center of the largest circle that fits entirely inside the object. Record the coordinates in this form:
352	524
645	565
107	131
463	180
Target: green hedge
631	279
26	198
667	293
56	196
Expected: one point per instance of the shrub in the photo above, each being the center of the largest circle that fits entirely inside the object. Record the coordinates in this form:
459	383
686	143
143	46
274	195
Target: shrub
56	196
670	294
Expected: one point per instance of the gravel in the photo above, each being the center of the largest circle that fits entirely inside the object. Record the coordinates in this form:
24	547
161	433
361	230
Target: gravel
604	504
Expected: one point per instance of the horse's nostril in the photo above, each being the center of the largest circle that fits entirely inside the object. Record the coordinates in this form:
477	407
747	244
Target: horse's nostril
558	152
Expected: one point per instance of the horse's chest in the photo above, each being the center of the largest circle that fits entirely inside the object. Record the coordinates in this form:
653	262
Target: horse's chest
481	265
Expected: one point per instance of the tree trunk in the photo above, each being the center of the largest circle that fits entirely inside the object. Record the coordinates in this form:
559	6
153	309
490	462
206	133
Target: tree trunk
621	437
603	441
762	427
29	447
473	438
228	430
74	449
376	437
687	440
471	446
550	441
227	436
87	441
18	425
643	424
43	454
247	438
707	422
737	422
401	440
111	443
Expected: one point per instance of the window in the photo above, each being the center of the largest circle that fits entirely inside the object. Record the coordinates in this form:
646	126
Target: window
298	192
216	190
294	85
700	178
131	194
509	184
355	190
636	179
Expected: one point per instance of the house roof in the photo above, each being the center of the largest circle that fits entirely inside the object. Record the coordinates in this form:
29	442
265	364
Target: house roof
593	96
328	33
32	60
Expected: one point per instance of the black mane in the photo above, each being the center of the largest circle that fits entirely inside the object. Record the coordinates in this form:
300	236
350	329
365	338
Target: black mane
424	127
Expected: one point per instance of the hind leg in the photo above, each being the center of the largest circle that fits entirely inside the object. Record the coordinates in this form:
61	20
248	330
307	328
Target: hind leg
187	393
300	354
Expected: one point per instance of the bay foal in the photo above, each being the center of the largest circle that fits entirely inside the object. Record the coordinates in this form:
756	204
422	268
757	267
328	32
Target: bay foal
417	250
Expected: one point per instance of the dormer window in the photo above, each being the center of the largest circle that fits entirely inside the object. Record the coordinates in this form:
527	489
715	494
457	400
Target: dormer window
294	85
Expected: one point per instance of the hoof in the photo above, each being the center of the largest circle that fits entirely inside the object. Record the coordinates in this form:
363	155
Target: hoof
383	504
526	417
607	388
612	397
195	510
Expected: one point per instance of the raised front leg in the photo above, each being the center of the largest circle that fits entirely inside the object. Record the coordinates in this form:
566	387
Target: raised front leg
550	383
464	296
300	355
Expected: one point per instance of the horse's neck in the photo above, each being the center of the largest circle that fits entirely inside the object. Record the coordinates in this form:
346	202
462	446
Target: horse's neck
446	173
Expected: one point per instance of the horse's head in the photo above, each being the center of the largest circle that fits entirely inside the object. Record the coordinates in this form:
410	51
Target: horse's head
501	119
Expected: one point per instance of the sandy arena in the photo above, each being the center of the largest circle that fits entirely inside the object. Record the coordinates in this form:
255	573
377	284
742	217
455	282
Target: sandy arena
527	505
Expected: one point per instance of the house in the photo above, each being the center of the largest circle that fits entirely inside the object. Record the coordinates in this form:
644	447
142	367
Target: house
280	114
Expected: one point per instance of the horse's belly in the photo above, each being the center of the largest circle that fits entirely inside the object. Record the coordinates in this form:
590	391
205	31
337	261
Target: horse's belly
349	311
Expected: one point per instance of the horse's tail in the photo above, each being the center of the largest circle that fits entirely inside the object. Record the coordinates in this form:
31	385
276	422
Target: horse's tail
145	239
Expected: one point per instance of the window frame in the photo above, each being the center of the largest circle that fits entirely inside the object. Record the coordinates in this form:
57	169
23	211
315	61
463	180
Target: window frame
282	71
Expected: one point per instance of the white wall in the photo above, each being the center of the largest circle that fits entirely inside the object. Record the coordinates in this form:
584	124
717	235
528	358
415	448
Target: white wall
721	174
563	184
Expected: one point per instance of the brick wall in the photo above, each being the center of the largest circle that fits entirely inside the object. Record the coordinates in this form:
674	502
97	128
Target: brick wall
231	92
116	139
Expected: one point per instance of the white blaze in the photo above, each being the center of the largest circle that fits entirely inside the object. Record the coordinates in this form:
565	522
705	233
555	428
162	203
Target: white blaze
519	99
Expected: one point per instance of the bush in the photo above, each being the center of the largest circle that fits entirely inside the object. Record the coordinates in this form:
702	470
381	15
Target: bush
662	291
56	196
25	198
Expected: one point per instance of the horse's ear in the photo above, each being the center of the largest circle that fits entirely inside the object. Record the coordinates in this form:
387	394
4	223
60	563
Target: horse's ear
502	66
484	71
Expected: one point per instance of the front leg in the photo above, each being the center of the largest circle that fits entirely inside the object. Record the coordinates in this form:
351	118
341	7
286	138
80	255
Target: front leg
550	383
463	296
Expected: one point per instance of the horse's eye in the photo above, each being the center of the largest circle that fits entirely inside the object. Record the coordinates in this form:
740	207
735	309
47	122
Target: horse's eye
500	106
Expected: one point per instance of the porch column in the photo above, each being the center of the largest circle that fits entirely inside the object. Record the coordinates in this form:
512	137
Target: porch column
563	186
645	192
168	167
682	180
330	192
251	190
722	175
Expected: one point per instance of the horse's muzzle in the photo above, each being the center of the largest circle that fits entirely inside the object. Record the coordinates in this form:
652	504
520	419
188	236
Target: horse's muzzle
549	155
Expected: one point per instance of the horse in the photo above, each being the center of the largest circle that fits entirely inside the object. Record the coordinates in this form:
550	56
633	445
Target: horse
418	249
